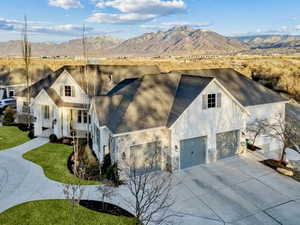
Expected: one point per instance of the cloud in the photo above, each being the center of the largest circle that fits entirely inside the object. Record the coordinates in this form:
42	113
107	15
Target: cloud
43	28
66	4
130	18
281	30
297	27
136	11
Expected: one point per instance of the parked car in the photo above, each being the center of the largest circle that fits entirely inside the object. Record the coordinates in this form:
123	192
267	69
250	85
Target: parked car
11	102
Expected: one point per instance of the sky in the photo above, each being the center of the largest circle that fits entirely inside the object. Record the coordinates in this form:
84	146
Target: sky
62	20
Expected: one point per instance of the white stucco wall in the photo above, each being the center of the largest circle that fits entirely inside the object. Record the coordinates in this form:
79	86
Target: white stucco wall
123	142
196	122
66	79
41	100
266	111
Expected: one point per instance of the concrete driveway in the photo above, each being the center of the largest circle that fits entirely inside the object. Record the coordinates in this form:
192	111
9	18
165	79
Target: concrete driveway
236	191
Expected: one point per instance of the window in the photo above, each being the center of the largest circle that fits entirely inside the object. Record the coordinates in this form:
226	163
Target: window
82	116
211	100
68	91
11	93
46	111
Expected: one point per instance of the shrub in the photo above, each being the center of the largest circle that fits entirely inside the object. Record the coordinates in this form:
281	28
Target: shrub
31	134
112	174
106	164
53	138
23	127
9	117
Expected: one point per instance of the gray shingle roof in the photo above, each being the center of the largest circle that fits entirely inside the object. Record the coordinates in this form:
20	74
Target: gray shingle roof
101	78
148	102
245	90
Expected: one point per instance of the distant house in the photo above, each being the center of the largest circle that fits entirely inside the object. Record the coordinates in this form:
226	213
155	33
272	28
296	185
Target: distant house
13	80
188	118
60	101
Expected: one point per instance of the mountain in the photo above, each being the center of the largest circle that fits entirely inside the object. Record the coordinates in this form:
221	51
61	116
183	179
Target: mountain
96	47
180	40
269	41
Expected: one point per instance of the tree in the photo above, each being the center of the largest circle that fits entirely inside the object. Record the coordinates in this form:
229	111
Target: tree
26	52
74	193
279	129
107	191
151	192
8	117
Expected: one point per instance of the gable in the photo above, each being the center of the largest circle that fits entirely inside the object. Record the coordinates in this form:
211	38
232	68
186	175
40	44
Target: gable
65	79
43	98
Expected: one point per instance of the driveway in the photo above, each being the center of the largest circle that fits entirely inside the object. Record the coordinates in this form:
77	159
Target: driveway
236	191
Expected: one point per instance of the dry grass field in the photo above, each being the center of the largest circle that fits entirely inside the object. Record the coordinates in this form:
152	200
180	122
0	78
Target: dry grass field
281	73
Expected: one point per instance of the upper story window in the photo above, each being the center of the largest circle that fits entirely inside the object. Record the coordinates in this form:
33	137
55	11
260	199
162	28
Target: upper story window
46	110
211	101
68	91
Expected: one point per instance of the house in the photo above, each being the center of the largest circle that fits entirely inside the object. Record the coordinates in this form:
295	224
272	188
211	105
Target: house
13	80
185	118
60	101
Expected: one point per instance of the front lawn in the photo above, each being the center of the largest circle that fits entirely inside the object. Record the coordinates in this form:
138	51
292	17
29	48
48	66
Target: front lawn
58	212
11	137
53	159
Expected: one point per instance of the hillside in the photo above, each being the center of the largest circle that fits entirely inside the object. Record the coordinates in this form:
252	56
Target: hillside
96	46
181	40
269	41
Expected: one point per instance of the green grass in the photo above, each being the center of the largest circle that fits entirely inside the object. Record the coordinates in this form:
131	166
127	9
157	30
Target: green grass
58	212
11	137
53	159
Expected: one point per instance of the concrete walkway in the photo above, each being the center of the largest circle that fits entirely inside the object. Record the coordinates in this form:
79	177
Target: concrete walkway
236	191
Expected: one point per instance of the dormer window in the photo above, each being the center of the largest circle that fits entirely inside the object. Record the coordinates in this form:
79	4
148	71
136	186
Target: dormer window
68	91
211	101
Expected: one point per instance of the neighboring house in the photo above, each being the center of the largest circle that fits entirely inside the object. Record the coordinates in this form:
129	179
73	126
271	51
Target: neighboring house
186	118
13	80
60	101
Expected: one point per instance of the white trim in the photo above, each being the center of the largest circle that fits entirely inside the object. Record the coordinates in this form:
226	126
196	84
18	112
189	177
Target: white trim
224	89
39	94
65	72
228	93
136	131
266	104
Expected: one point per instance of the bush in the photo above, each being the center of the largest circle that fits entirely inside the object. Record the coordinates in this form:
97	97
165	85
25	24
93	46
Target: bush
31	134
9	117
112	175
106	164
23	127
53	138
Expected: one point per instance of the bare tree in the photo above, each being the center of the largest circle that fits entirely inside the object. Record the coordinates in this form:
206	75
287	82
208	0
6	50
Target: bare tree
279	129
107	191
151	192
74	193
26	52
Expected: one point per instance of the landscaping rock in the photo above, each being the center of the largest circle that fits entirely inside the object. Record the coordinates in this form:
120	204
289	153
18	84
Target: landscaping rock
285	172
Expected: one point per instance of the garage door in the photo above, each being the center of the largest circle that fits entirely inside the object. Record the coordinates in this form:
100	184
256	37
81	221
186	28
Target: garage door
227	144
192	152
145	157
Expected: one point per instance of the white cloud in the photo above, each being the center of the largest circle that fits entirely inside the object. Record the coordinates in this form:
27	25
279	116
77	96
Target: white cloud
66	4
129	18
297	27
135	11
35	27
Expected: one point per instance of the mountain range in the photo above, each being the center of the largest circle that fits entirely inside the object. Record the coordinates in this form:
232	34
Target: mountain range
179	40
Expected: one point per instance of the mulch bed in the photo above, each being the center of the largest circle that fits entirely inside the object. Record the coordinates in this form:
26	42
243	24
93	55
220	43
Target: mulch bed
274	164
105	208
